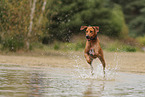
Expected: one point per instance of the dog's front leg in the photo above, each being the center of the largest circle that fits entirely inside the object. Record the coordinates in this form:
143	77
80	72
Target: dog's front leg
89	60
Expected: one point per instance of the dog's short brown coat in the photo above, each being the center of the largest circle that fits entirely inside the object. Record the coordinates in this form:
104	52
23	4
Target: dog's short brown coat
93	49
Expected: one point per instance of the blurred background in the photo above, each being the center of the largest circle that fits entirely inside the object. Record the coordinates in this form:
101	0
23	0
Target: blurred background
55	24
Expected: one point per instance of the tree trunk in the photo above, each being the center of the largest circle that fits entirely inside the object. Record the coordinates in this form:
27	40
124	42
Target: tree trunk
31	23
43	9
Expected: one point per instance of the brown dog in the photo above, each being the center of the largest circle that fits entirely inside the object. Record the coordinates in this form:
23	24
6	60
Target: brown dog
93	49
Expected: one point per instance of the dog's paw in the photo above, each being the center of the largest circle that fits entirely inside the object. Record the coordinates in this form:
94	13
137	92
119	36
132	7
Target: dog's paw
92	74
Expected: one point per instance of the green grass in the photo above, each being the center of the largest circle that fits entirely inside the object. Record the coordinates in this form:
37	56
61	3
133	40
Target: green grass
68	46
80	46
62	46
119	47
111	45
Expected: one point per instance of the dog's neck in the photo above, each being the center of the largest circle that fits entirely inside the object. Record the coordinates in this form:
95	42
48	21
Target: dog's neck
95	38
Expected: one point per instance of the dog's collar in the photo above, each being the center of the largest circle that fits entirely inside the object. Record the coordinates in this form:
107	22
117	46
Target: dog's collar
95	38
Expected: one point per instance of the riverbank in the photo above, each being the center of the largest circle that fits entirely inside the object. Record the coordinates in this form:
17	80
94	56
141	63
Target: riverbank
124	61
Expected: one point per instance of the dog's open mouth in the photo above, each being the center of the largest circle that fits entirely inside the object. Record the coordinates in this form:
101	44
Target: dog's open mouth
89	38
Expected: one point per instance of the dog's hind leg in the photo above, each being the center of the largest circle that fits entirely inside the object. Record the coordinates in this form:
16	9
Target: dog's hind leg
92	69
103	63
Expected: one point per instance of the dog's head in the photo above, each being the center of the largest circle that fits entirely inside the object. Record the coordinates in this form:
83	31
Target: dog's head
91	31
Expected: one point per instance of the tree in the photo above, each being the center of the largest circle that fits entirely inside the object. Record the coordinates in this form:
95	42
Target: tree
65	17
134	11
21	22
14	24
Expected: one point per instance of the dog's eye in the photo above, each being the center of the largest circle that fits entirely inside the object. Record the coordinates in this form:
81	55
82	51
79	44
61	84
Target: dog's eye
91	31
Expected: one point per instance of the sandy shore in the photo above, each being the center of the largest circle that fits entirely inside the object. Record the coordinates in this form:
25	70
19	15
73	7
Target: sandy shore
125	62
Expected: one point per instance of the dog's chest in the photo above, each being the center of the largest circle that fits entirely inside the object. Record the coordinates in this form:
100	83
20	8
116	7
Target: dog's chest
92	52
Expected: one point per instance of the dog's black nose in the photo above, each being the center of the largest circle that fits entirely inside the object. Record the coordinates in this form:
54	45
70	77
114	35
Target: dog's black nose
87	36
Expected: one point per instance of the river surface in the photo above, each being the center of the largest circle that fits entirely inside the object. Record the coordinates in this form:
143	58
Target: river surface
26	81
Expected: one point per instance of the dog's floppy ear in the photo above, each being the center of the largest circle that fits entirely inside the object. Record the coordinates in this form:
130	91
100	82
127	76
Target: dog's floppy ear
83	27
96	28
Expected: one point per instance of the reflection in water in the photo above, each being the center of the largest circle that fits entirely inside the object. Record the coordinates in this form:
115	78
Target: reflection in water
97	92
20	81
36	84
23	81
12	82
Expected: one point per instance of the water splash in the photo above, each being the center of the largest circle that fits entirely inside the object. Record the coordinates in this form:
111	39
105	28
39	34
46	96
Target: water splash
85	72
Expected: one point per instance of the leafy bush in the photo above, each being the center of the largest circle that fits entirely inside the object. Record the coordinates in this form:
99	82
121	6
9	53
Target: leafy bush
129	49
56	46
141	40
13	43
119	47
124	48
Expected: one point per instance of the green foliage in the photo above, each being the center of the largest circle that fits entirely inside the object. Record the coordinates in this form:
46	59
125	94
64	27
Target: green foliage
119	47
63	18
141	40
66	17
14	24
134	14
129	48
113	46
13	43
79	45
15	20
14	16
37	45
74	46
119	22
68	46
122	49
56	46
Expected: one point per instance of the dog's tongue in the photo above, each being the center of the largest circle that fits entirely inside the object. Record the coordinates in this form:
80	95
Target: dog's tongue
88	39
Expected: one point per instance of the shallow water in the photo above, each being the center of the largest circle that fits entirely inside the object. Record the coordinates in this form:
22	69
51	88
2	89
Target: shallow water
25	81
